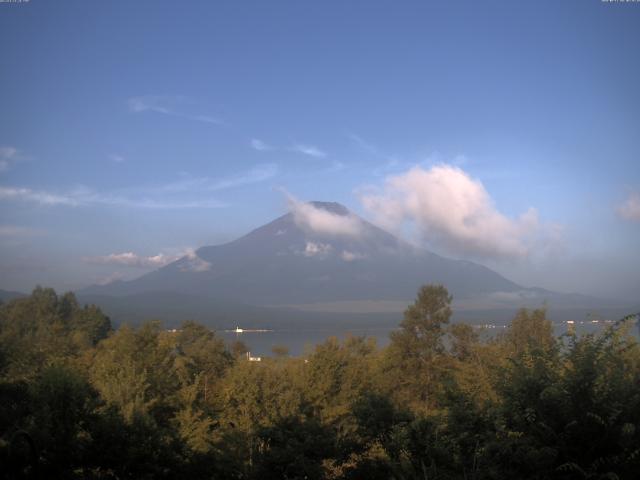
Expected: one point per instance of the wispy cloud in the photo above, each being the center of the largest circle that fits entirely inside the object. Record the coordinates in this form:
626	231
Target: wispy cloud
308	150
259	145
115	158
365	146
189	260
386	168
113	277
150	203
8	156
313	249
256	174
193	263
151	103
40	197
168	105
322	221
630	208
85	197
130	259
187	192
303	149
348	256
390	163
453	211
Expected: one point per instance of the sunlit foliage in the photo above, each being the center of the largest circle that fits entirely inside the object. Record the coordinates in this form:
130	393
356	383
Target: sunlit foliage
79	400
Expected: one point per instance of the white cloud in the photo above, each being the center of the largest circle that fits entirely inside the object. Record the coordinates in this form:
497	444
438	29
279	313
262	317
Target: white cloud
257	174
191	262
202	118
194	263
260	145
8	152
187	192
313	249
130	259
348	256
150	203
167	105
303	149
630	209
148	102
83	196
114	157
114	277
390	162
309	150
43	198
364	145
321	221
8	156
453	211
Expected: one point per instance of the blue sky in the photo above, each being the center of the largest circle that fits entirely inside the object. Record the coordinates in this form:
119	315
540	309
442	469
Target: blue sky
152	128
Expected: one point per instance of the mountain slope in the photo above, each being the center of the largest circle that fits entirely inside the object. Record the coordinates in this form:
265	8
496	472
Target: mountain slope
320	252
7	295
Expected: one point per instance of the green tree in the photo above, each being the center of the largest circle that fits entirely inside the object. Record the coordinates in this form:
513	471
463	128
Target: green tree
135	370
464	341
259	394
416	353
43	330
62	404
529	332
336	375
200	357
293	448
192	423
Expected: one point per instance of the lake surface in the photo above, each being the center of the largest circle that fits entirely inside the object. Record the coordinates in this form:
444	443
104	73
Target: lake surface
302	340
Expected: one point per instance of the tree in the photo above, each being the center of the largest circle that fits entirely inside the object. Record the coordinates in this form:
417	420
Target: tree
134	371
293	448
416	351
463	341
62	403
254	395
336	375
200	356
531	332
43	330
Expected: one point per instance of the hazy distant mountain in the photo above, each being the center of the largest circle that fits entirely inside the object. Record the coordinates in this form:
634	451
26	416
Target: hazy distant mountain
6	295
320	258
321	254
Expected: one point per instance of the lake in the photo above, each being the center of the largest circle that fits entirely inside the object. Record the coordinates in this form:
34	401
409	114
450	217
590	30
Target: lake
302	340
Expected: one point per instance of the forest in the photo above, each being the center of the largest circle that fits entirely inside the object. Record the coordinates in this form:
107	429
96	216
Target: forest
82	400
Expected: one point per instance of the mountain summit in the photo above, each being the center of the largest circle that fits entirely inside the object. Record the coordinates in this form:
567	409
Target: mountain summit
331	207
318	252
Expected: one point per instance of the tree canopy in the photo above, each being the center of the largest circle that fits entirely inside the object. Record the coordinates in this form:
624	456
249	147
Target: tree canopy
441	401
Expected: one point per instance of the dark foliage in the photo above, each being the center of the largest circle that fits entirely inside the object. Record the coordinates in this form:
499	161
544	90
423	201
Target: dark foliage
80	401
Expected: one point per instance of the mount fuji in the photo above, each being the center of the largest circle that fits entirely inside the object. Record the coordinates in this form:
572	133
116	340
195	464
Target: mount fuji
319	257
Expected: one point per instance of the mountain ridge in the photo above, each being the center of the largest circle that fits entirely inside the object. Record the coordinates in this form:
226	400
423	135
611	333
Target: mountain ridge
319	251
321	262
